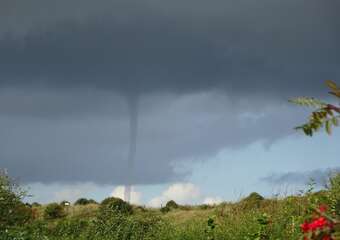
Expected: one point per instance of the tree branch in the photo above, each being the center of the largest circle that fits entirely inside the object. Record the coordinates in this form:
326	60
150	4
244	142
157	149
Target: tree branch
334	108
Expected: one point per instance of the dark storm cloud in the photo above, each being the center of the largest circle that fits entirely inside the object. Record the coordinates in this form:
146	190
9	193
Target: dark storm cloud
179	47
211	75
320	176
93	146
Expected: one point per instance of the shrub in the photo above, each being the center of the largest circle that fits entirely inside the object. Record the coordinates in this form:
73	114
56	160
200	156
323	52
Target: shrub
111	206
84	201
254	196
54	211
12	210
22	214
171	204
70	228
127	227
91	201
254	200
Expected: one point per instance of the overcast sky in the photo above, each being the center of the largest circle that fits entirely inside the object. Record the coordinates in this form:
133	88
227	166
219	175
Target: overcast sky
211	79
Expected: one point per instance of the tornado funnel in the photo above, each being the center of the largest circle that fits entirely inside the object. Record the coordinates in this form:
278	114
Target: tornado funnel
133	129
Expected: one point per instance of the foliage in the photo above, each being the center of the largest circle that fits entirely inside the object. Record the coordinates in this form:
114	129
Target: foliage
12	210
319	225
171	204
322	219
211	225
334	194
111	206
54	211
267	219
84	201
252	201
326	115
261	232
70	228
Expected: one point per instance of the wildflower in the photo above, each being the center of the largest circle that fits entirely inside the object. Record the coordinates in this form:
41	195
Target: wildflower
318	223
305	227
319	227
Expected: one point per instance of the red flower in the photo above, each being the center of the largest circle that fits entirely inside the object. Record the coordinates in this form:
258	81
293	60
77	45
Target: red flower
305	227
318	223
319	227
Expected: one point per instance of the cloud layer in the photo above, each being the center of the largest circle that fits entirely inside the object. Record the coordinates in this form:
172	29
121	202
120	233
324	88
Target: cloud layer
209	75
93	146
319	176
171	47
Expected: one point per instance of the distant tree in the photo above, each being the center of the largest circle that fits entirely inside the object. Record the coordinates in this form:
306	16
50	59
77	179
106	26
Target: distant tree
326	115
171	204
85	201
254	196
81	201
254	200
91	201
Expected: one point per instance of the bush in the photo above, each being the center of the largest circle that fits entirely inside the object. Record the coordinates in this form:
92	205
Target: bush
91	201
54	211
111	206
254	200
254	196
12	210
171	204
127	227
70	228
84	201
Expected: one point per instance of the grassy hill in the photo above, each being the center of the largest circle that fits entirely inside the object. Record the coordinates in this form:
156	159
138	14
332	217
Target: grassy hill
252	218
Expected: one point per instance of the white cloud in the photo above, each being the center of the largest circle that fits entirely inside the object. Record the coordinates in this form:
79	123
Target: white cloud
212	200
183	193
72	193
119	193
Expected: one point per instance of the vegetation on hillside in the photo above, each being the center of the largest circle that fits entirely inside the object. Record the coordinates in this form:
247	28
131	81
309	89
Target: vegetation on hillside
252	218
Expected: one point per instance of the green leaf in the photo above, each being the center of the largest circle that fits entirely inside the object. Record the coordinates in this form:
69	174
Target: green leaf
335	121
308	101
332	85
328	127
